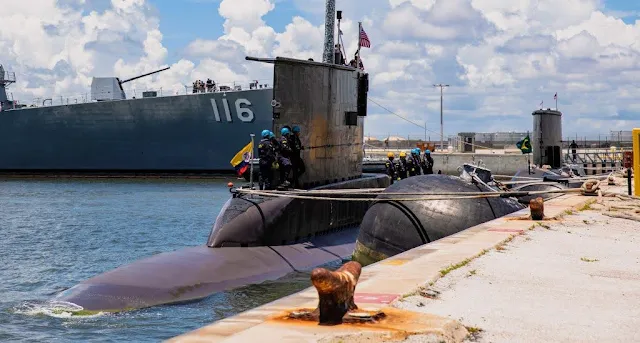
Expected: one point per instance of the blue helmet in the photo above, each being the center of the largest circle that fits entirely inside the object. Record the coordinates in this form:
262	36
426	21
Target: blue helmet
427	151
296	129
285	131
415	151
265	133
271	135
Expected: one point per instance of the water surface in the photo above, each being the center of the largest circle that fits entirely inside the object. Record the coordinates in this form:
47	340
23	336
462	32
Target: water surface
59	232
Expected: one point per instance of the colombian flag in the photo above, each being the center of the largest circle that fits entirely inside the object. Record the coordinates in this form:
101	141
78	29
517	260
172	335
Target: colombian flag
242	160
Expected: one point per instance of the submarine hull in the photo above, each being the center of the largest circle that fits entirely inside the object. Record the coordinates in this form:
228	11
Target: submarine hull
392	227
194	273
253	239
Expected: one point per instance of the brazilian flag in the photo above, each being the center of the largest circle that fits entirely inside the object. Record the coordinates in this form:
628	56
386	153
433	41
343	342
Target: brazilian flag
524	145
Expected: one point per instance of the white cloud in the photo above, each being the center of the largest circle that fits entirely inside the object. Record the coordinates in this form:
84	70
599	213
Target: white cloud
501	57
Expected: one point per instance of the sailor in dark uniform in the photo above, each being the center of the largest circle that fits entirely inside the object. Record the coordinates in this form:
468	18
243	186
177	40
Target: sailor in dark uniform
390	168
285	157
267	156
427	163
413	162
401	166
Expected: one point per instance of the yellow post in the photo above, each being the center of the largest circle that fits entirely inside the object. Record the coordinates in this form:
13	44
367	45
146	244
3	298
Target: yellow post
636	161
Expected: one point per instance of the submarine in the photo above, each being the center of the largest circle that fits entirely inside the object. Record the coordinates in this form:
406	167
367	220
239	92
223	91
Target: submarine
258	238
253	239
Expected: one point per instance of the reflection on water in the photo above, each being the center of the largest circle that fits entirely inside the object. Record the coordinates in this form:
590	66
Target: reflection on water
56	233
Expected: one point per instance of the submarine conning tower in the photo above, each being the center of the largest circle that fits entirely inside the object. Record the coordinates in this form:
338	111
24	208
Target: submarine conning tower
546	140
328	102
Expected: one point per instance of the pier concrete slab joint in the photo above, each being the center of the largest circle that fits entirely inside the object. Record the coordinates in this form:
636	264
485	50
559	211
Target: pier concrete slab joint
636	160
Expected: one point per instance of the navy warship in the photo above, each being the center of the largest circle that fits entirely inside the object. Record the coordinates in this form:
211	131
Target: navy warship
111	134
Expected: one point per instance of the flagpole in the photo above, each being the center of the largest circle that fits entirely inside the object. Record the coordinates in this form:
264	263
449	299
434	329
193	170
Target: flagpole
251	161
528	158
358	51
556	97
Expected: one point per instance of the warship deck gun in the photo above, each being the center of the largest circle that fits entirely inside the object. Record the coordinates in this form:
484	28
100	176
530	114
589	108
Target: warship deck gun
110	88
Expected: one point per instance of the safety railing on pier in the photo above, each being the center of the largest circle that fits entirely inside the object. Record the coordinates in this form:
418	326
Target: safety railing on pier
139	93
597	161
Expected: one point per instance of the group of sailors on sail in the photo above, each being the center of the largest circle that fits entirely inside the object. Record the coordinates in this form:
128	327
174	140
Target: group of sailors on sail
404	167
283	155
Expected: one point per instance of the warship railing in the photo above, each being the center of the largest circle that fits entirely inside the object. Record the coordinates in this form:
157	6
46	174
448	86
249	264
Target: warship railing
159	92
7	77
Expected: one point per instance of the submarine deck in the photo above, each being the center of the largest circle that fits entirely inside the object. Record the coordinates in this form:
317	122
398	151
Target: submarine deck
566	295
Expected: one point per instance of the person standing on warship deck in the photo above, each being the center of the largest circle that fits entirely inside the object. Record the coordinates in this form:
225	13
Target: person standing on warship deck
390	168
298	162
267	157
427	163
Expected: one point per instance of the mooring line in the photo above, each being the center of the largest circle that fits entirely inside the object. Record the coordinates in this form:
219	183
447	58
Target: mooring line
450	197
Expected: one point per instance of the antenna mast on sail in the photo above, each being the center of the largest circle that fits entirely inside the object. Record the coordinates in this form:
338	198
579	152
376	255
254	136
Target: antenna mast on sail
329	31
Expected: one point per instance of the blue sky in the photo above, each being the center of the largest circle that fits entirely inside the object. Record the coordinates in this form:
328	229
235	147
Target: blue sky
630	8
179	29
502	57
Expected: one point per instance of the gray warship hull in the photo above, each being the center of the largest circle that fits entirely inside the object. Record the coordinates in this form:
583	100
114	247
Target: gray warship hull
193	133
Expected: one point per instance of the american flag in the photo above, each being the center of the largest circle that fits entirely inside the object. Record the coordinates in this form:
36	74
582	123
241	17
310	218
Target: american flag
555	97
364	39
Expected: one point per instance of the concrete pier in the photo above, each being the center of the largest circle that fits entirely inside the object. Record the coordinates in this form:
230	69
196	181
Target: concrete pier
570	277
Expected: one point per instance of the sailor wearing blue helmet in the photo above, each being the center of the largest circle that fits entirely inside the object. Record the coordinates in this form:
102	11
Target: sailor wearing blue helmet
427	163
284	160
413	162
267	159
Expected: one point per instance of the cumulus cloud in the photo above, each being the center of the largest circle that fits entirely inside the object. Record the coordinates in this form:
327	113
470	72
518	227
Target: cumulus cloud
501	57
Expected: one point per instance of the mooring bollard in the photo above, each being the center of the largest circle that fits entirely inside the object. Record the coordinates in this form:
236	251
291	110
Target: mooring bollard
335	291
537	208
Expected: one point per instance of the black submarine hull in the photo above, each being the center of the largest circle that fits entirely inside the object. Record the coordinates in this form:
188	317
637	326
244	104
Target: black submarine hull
391	227
254	239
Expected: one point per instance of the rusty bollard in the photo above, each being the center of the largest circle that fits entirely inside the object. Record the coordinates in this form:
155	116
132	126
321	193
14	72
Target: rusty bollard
335	291
537	208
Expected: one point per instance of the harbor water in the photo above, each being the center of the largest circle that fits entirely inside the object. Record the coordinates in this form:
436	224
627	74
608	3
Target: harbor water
59	232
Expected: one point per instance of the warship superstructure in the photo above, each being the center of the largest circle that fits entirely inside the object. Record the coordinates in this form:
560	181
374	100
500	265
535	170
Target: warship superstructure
189	133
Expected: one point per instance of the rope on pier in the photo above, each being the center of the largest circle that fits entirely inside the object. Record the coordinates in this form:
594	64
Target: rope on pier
590	187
